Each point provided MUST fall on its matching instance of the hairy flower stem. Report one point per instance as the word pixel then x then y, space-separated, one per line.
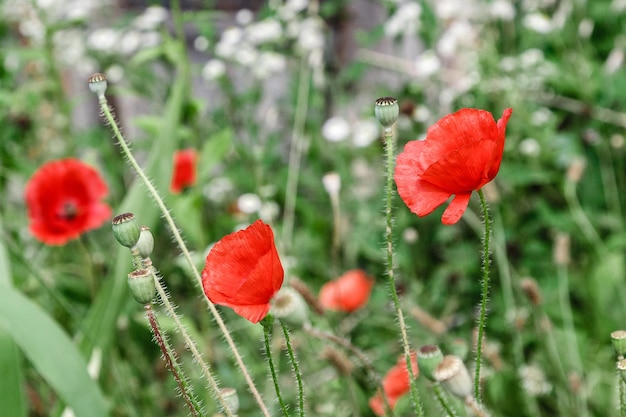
pixel 443 401
pixel 147 263
pixel 183 248
pixel 475 407
pixel 172 363
pixel 267 324
pixel 482 320
pixel 389 148
pixel 296 369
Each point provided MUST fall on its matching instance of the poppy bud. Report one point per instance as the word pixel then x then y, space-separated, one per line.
pixel 290 307
pixel 98 84
pixel 231 399
pixel 145 244
pixel 142 286
pixel 618 338
pixel 387 111
pixel 428 358
pixel 454 376
pixel 125 229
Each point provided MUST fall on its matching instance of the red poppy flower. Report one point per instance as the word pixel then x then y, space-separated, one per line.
pixel 243 271
pixel 395 385
pixel 184 171
pixel 461 153
pixel 347 293
pixel 63 198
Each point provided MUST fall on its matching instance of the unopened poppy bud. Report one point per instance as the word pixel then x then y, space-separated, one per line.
pixel 531 290
pixel 98 84
pixel 332 183
pixel 459 347
pixel 126 230
pixel 387 111
pixel 231 399
pixel 561 249
pixel 428 358
pixel 290 307
pixel 618 338
pixel 454 376
pixel 576 169
pixel 145 244
pixel 142 286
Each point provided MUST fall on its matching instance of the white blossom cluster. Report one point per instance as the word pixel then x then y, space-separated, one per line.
pixel 264 46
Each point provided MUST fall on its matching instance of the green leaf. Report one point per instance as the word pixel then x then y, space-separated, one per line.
pixel 12 396
pixel 52 353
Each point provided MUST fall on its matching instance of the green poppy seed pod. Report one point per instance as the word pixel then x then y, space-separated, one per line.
pixel 98 84
pixel 618 338
pixel 125 229
pixel 289 306
pixel 428 358
pixel 142 286
pixel 621 368
pixel 231 399
pixel 458 347
pixel 387 111
pixel 145 244
pixel 454 376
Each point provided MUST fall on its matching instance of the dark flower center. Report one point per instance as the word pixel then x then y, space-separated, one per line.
pixel 69 211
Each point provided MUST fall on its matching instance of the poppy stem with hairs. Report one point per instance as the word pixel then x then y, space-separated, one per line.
pixel 296 369
pixel 443 400
pixel 268 324
pixel 482 320
pixel 172 363
pixel 387 111
pixel 98 85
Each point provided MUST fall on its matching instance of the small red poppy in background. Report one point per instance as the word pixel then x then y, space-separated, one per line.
pixel 63 198
pixel 461 153
pixel 395 384
pixel 243 271
pixel 184 170
pixel 347 293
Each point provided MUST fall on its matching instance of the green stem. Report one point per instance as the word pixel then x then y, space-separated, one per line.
pixel 622 395
pixel 482 321
pixel 172 363
pixel 389 148
pixel 296 369
pixel 443 401
pixel 298 143
pixel 570 331
pixel 171 311
pixel 183 248
pixel 590 233
pixel 267 323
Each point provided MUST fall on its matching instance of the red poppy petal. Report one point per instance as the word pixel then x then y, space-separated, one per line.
pixel 243 271
pixel 455 210
pixel 465 169
pixel 458 129
pixel 420 196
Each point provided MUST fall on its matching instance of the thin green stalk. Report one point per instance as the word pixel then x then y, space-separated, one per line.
pixel 580 217
pixel 570 330
pixel 172 363
pixel 188 341
pixel 389 148
pixel 443 401
pixel 183 248
pixel 296 369
pixel 267 323
pixel 482 321
pixel 298 143
pixel 622 395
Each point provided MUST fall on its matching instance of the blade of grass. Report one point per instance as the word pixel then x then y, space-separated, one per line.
pixel 12 396
pixel 52 353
